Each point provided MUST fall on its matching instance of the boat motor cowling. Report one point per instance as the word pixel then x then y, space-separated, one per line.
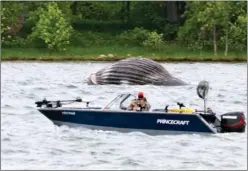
pixel 233 122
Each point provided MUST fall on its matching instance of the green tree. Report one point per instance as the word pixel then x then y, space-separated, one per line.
pixel 35 8
pixel 11 23
pixel 98 10
pixel 189 33
pixel 222 20
pixel 238 27
pixel 52 27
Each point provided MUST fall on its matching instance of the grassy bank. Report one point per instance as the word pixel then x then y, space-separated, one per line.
pixel 169 53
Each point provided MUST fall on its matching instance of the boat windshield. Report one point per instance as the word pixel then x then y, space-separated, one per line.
pixel 120 102
pixel 127 101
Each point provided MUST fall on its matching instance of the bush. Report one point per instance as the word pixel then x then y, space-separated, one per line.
pixel 52 28
pixel 154 41
pixel 89 38
pixel 134 37
pixel 16 41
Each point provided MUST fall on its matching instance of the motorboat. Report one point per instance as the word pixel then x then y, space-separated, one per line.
pixel 116 116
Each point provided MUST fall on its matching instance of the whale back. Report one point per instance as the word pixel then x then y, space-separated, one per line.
pixel 133 71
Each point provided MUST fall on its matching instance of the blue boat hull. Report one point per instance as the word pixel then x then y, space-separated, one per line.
pixel 130 120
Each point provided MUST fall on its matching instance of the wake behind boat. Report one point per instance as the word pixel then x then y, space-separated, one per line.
pixel 116 116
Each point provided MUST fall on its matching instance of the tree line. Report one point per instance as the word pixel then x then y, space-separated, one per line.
pixel 197 25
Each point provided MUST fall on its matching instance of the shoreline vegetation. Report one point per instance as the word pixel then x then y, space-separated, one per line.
pixel 115 53
pixel 164 31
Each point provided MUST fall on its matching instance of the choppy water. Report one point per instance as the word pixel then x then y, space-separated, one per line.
pixel 31 141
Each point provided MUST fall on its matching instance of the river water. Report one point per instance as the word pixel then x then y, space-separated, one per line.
pixel 31 141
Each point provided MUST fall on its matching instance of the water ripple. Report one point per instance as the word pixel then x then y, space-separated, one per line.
pixel 31 141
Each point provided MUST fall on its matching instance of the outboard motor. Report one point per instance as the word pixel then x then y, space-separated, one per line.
pixel 233 122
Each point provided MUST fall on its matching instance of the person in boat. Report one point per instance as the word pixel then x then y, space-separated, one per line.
pixel 140 103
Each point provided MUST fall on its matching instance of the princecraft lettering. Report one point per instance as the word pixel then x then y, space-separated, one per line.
pixel 172 122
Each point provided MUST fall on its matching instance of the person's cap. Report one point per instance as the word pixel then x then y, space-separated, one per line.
pixel 140 95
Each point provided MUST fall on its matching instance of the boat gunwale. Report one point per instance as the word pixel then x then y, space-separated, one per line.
pixel 114 111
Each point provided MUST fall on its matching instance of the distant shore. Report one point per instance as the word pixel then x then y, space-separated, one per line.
pixel 95 59
pixel 115 53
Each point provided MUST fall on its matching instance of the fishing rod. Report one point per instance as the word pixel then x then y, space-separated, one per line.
pixel 176 101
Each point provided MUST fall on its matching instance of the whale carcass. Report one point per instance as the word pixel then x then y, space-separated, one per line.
pixel 134 71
